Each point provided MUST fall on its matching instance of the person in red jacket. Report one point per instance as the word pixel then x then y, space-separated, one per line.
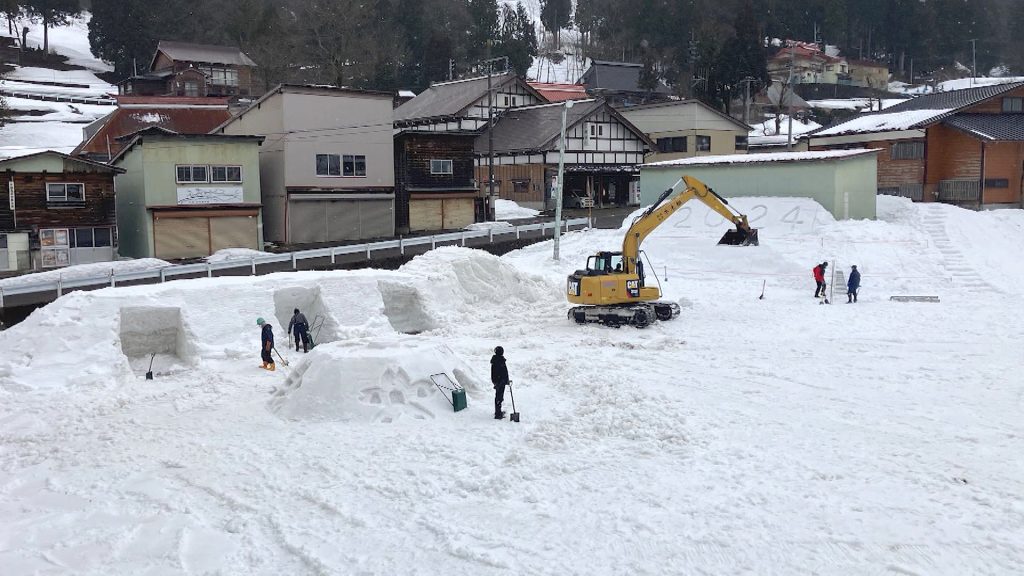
pixel 819 277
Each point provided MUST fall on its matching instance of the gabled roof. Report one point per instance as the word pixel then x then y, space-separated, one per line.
pixel 991 127
pixel 534 128
pixel 7 162
pixel 178 115
pixel 303 89
pixel 919 112
pixel 161 133
pixel 691 102
pixel 205 53
pixel 447 99
pixel 555 92
pixel 617 77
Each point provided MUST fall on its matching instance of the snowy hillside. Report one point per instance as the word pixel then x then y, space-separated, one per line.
pixel 568 65
pixel 748 436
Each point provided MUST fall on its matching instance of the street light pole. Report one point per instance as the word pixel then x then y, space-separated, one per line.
pixel 974 60
pixel 561 176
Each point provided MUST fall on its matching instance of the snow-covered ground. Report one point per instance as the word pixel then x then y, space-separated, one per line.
pixel 509 210
pixel 72 41
pixel 22 138
pixel 227 254
pixel 769 436
pixel 80 271
pixel 765 134
pixel 959 84
pixel 859 104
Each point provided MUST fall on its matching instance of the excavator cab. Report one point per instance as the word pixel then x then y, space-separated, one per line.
pixel 740 237
pixel 605 263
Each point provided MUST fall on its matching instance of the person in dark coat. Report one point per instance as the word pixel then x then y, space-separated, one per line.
pixel 499 377
pixel 300 328
pixel 852 285
pixel 819 277
pixel 266 344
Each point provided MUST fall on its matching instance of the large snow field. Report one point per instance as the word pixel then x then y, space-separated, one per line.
pixel 72 41
pixel 747 436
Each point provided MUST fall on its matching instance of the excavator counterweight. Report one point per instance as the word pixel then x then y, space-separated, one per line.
pixel 612 289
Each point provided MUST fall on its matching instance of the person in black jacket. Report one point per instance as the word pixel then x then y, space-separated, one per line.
pixel 852 286
pixel 300 328
pixel 266 344
pixel 499 377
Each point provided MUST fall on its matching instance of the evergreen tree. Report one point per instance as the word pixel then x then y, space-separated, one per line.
pixel 52 13
pixel 743 57
pixel 518 38
pixel 555 15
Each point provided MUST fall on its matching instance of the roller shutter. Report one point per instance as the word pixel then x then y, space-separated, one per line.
pixel 181 237
pixel 343 219
pixel 330 220
pixel 376 218
pixel 425 215
pixel 307 222
pixel 234 232
pixel 458 213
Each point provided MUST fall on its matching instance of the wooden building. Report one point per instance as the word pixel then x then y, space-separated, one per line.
pixel 65 204
pixel 603 154
pixel 194 70
pixel 963 147
pixel 435 188
pixel 463 104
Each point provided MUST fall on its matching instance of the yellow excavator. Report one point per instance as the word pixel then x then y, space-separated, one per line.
pixel 612 290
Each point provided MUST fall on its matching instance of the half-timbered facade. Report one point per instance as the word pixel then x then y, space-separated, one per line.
pixel 963 147
pixel 603 153
pixel 65 204
pixel 462 105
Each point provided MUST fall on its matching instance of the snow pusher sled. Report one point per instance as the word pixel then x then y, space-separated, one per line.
pixel 612 290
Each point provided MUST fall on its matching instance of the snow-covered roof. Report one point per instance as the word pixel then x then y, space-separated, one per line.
pixel 817 156
pixel 884 122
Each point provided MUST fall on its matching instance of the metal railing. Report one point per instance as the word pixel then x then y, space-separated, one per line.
pixel 959 190
pixel 208 269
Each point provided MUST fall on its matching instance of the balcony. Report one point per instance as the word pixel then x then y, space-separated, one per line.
pixel 959 191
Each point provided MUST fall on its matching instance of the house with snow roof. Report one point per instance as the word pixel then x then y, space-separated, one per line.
pixel 963 147
pixel 194 70
pixel 103 139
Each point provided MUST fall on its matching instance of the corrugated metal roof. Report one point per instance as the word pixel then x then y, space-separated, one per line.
pixel 814 156
pixel 534 127
pixel 617 77
pixel 954 99
pixel 992 127
pixel 560 92
pixel 449 98
pixel 125 121
pixel 205 53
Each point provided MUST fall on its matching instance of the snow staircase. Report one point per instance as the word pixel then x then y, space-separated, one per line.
pixel 962 274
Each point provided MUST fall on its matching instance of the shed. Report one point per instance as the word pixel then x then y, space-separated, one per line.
pixel 844 182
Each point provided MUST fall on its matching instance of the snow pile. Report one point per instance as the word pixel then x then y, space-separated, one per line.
pixel 485 226
pixel 379 381
pixel 859 104
pixel 227 254
pixel 149 117
pixel 509 210
pixel 86 271
pixel 764 134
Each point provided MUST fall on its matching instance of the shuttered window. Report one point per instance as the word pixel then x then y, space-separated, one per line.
pixel 907 151
pixel 1012 104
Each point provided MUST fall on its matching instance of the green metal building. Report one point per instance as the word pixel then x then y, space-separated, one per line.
pixel 844 182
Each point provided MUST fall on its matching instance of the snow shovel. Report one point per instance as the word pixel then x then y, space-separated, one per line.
pixel 149 374
pixel 763 283
pixel 283 361
pixel 514 416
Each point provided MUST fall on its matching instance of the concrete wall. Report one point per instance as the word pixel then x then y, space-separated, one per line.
pixel 846 188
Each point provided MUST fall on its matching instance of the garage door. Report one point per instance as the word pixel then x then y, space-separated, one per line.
pixel 458 213
pixel 181 237
pixel 328 220
pixel 425 215
pixel 234 232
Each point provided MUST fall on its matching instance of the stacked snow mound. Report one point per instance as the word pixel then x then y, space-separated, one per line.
pixel 777 217
pixel 446 286
pixel 371 381
pixel 509 210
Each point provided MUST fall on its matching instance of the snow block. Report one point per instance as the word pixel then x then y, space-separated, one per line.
pixel 310 302
pixel 405 308
pixel 148 330
pixel 378 381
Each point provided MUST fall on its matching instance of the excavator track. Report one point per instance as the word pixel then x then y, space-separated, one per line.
pixel 639 315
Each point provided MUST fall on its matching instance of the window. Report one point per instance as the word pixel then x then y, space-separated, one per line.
pixel 191 88
pixel 328 165
pixel 521 186
pixel 60 192
pixel 997 183
pixel 1015 104
pixel 440 166
pixel 703 143
pixel 354 166
pixel 674 144
pixel 54 247
pixel 3 241
pixel 222 76
pixel 103 237
pixel 907 151
pixel 192 174
pixel 829 68
pixel 225 173
pixel 82 238
pixel 741 142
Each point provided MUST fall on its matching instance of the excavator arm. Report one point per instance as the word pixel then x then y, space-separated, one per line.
pixel 685 189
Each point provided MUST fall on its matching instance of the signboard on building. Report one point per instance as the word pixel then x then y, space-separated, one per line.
pixel 196 195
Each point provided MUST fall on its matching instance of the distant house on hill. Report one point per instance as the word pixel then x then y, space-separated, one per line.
pixel 962 147
pixel 180 115
pixel 193 70
pixel 619 84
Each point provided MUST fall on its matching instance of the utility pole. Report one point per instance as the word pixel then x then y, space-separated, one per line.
pixel 974 60
pixel 746 98
pixel 789 109
pixel 561 176
pixel 490 138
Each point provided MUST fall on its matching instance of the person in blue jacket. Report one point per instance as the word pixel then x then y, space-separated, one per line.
pixel 266 344
pixel 852 285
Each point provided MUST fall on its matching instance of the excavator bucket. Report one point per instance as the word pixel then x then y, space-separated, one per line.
pixel 740 237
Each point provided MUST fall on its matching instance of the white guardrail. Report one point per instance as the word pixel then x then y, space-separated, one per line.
pixel 171 272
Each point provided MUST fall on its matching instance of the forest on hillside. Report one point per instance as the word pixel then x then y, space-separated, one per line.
pixel 699 47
